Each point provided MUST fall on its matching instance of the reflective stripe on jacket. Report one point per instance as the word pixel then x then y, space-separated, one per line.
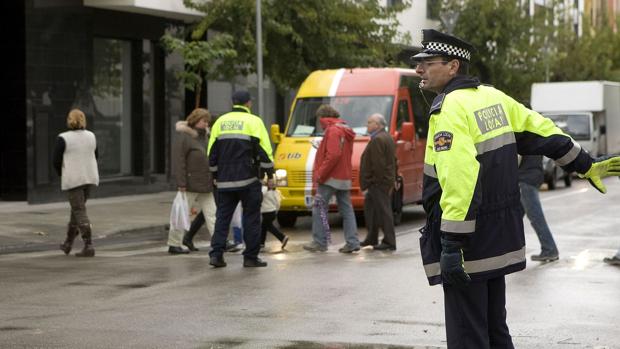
pixel 471 184
pixel 239 149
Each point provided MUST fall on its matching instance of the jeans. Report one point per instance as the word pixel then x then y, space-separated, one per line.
pixel 530 201
pixel 343 199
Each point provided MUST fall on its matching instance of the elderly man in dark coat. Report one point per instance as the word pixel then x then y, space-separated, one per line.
pixel 377 178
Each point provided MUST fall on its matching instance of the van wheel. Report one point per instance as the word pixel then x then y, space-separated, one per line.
pixel 287 219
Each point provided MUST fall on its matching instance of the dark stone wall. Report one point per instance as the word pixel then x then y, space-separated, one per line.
pixel 57 75
pixel 12 91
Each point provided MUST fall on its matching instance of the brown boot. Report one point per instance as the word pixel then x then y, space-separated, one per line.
pixel 72 232
pixel 88 250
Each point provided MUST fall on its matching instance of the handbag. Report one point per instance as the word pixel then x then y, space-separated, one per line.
pixel 179 215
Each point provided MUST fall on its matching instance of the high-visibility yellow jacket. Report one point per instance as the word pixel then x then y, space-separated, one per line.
pixel 471 191
pixel 239 149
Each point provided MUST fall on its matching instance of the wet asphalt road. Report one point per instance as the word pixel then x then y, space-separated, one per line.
pixel 134 295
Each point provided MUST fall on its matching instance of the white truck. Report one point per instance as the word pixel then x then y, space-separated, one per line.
pixel 589 111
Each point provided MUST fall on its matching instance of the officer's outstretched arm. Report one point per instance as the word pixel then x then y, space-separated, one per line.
pixel 602 167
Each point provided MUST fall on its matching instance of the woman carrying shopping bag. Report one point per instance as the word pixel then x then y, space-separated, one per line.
pixel 191 169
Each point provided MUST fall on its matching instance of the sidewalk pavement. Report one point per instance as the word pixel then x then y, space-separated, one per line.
pixel 26 227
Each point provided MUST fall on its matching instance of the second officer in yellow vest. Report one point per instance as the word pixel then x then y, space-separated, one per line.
pixel 474 231
pixel 239 154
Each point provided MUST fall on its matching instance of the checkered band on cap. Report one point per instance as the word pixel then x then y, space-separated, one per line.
pixel 448 49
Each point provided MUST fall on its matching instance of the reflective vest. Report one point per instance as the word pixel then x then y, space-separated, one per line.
pixel 470 177
pixel 239 149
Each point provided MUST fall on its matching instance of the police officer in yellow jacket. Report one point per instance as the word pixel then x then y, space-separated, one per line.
pixel 474 230
pixel 239 154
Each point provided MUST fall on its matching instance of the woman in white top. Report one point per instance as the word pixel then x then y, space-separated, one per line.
pixel 75 161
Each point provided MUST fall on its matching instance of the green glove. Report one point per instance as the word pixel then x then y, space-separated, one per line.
pixel 602 167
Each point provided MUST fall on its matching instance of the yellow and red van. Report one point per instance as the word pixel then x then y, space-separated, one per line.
pixel 356 94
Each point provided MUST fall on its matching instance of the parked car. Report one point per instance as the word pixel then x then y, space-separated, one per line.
pixel 554 173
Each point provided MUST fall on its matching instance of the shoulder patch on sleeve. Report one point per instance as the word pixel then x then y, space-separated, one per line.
pixel 437 103
pixel 442 140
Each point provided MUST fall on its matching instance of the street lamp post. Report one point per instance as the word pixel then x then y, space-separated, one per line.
pixel 259 57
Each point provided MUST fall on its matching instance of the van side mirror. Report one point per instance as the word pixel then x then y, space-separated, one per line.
pixel 275 134
pixel 406 132
pixel 602 130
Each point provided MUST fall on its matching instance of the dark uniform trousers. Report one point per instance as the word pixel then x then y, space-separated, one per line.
pixel 378 214
pixel 227 200
pixel 469 310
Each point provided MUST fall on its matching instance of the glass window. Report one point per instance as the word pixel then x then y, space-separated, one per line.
pixel 403 114
pixel 421 101
pixel 111 119
pixel 355 110
pixel 574 125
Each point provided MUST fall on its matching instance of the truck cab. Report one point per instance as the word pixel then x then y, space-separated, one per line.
pixel 588 111
pixel 356 94
pixel 580 126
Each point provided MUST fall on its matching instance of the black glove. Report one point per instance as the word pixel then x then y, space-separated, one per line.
pixel 451 262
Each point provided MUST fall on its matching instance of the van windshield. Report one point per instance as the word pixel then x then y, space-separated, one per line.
pixel 355 110
pixel 575 125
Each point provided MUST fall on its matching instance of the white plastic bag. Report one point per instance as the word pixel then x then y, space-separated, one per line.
pixel 179 215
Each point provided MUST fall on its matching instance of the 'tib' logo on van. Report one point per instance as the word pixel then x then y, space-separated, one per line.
pixel 289 156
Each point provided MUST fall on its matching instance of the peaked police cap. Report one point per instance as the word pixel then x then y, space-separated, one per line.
pixel 436 43
pixel 241 97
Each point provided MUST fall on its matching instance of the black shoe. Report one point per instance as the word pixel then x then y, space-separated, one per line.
pixel 254 263
pixel 284 241
pixel 190 245
pixel 217 261
pixel 366 243
pixel 545 257
pixel 177 250
pixel 384 247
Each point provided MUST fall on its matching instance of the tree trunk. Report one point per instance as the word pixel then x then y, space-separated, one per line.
pixel 197 96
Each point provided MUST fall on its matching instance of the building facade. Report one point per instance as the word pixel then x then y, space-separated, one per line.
pixel 104 57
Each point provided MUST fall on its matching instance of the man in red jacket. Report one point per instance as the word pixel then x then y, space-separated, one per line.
pixel 332 174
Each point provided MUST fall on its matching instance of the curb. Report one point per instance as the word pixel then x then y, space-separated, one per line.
pixel 108 238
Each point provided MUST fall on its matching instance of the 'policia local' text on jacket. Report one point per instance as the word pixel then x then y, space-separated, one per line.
pixel 239 150
pixel 471 190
